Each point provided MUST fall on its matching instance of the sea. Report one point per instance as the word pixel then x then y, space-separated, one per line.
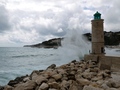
pixel 18 61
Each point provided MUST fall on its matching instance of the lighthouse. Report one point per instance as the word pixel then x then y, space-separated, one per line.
pixel 97 35
pixel 97 47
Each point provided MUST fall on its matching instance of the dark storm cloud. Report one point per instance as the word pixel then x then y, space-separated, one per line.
pixel 4 19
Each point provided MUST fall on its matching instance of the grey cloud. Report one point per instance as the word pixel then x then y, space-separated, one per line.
pixel 4 19
pixel 112 14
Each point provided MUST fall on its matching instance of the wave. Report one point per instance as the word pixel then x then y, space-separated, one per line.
pixel 42 55
pixel 24 56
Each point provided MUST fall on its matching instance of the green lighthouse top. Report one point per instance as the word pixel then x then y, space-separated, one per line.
pixel 97 16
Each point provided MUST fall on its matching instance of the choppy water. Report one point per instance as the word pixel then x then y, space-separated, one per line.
pixel 23 60
pixel 20 61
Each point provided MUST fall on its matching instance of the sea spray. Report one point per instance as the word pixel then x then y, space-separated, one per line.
pixel 74 46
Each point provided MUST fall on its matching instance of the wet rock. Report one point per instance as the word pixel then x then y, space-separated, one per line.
pixel 52 66
pixel 16 81
pixel 44 86
pixel 73 61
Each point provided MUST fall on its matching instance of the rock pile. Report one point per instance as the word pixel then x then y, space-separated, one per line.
pixel 76 75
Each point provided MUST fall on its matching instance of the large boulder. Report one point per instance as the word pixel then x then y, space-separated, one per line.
pixel 40 79
pixel 30 85
pixel 57 76
pixel 54 85
pixel 83 81
pixel 44 86
pixel 91 88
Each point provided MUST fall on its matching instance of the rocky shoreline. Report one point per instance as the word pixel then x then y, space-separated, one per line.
pixel 76 75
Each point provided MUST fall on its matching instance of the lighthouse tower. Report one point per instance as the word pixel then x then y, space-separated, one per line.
pixel 97 54
pixel 97 35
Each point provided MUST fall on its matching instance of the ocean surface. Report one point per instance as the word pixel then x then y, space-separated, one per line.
pixel 20 61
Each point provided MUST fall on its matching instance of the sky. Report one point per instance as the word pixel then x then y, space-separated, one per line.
pixel 25 22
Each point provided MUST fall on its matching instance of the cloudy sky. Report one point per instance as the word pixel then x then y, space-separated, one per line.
pixel 33 21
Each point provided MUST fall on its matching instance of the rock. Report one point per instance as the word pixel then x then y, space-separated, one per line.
pixel 57 76
pixel 7 87
pixel 64 77
pixel 52 89
pixel 75 86
pixel 63 67
pixel 40 79
pixel 17 80
pixel 51 80
pixel 26 79
pixel 71 77
pixel 34 74
pixel 83 81
pixel 37 88
pixel 91 88
pixel 73 61
pixel 87 75
pixel 72 64
pixel 44 86
pixel 52 66
pixel 104 86
pixel 112 89
pixel 61 71
pixel 94 70
pixel 1 87
pixel 65 84
pixel 108 72
pixel 113 83
pixel 95 79
pixel 50 72
pixel 94 84
pixel 100 82
pixel 54 85
pixel 29 85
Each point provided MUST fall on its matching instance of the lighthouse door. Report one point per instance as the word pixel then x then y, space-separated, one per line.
pixel 102 50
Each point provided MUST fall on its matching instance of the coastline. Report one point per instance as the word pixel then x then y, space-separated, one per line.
pixel 76 75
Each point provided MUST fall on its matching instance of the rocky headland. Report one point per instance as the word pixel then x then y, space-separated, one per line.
pixel 111 39
pixel 76 75
pixel 52 43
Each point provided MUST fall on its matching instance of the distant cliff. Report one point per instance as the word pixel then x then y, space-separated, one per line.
pixel 52 43
pixel 111 39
